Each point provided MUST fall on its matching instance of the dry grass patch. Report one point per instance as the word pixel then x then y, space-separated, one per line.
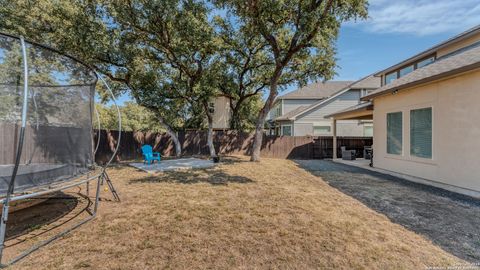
pixel 244 215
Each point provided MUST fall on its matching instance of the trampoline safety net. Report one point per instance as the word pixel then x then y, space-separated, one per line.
pixel 58 143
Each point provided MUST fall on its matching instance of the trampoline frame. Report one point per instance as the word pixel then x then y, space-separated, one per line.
pixel 99 177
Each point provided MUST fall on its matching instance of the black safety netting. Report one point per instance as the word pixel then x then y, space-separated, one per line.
pixel 58 143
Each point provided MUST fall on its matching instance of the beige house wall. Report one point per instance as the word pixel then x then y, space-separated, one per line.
pixel 222 114
pixel 458 45
pixel 455 106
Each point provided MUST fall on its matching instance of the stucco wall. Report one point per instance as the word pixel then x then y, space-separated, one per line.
pixel 455 106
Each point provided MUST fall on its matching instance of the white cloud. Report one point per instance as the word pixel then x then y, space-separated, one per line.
pixel 421 17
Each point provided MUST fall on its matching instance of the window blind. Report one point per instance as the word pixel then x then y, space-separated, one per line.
pixel 321 130
pixel 421 133
pixel 394 133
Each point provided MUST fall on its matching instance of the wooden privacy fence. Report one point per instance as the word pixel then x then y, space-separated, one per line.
pixel 226 143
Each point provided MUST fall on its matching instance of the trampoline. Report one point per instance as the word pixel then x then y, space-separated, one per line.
pixel 46 127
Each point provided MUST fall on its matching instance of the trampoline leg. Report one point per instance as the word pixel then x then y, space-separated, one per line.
pixel 51 239
pixel 112 188
pixel 97 195
pixel 3 228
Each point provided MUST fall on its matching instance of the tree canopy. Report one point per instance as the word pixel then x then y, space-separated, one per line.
pixel 134 118
pixel 174 56
pixel 300 37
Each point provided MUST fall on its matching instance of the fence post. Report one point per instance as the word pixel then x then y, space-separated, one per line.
pixel 334 138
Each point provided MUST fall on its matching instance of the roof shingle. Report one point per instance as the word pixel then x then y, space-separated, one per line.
pixel 454 64
pixel 369 82
pixel 318 90
pixel 291 114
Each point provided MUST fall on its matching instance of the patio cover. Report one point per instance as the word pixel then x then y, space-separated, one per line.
pixel 362 111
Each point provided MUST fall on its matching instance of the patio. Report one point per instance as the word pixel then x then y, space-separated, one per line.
pixel 174 165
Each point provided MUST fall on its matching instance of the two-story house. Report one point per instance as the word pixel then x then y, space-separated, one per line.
pixel 426 115
pixel 303 112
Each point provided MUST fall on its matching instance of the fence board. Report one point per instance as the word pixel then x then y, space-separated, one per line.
pixel 229 143
pixel 193 143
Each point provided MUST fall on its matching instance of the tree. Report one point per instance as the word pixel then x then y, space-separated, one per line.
pixel 134 118
pixel 243 76
pixel 301 39
pixel 160 51
pixel 178 39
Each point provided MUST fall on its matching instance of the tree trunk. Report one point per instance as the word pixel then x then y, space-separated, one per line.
pixel 176 142
pixel 211 146
pixel 173 135
pixel 234 120
pixel 257 140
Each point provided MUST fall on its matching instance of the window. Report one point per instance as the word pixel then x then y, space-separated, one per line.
pixel 404 71
pixel 391 77
pixel 366 92
pixel 394 133
pixel 368 131
pixel 287 130
pixel 278 110
pixel 421 133
pixel 425 62
pixel 211 107
pixel 321 130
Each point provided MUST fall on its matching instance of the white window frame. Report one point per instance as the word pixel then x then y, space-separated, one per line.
pixel 386 75
pixel 367 126
pixel 286 125
pixel 432 58
pixel 430 161
pixel 322 134
pixel 402 151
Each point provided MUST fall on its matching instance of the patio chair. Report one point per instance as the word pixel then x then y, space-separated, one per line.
pixel 348 154
pixel 367 152
pixel 149 156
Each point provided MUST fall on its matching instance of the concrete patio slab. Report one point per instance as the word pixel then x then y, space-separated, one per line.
pixel 174 165
pixel 365 164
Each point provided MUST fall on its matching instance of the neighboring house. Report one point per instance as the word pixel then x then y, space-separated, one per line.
pixel 220 106
pixel 426 115
pixel 302 112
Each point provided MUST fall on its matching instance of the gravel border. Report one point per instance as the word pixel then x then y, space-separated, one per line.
pixel 448 219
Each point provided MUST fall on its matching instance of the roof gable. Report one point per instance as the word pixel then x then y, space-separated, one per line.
pixel 319 90
pixel 368 82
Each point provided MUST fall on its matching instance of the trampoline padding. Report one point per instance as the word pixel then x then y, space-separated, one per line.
pixel 35 175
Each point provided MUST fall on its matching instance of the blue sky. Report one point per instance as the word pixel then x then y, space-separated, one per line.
pixel 397 30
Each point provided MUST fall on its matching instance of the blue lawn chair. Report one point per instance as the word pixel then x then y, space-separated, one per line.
pixel 149 156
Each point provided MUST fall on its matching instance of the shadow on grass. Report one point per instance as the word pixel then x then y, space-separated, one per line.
pixel 213 177
pixel 52 213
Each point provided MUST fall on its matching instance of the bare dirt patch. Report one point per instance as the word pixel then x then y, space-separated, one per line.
pixel 243 215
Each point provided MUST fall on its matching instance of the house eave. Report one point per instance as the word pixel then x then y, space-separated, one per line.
pixel 432 50
pixel 430 79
